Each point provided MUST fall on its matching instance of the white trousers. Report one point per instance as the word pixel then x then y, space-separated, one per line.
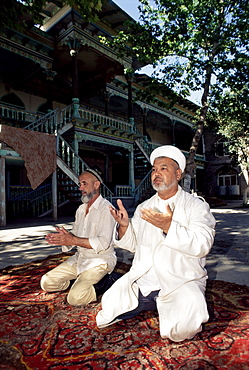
pixel 82 291
pixel 182 312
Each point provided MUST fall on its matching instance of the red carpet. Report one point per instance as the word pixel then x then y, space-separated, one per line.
pixel 41 331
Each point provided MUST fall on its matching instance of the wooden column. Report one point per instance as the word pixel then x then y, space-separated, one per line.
pixel 49 77
pixel 129 77
pixel 2 193
pixel 74 45
pixel 145 112
pixel 54 196
pixel 131 170
pixel 107 97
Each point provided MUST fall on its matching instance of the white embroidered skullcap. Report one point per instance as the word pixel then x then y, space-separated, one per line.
pixel 169 151
pixel 95 173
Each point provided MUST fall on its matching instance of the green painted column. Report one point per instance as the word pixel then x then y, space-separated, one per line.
pixel 131 170
pixel 2 192
pixel 54 196
pixel 75 145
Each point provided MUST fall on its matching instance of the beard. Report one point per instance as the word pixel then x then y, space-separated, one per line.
pixel 87 197
pixel 163 186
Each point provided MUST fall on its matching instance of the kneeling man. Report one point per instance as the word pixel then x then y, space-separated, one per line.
pixel 92 233
pixel 171 233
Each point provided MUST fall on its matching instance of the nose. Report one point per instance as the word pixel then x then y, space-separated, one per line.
pixel 156 172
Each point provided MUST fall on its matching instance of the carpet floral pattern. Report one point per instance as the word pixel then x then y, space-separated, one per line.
pixel 40 330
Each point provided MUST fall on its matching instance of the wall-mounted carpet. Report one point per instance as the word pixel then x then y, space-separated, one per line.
pixel 41 331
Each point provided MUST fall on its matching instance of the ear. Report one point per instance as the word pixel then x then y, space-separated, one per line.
pixel 96 184
pixel 178 174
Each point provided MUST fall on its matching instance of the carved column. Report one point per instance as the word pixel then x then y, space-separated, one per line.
pixel 107 96
pixel 131 170
pixel 2 193
pixel 75 145
pixel 74 46
pixel 54 196
pixel 129 77
pixel 144 113
pixel 49 77
pixel 173 131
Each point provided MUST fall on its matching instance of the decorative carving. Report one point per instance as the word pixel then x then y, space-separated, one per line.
pixel 86 40
pixel 99 139
pixel 43 60
pixel 74 45
pixel 50 75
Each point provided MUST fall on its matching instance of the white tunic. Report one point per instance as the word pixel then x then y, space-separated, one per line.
pixel 177 259
pixel 98 226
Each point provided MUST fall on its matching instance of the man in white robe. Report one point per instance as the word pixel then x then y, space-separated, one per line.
pixel 170 234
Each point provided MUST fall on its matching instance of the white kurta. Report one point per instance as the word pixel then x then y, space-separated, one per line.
pixel 98 226
pixel 179 263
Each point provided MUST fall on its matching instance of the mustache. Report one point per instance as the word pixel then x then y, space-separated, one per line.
pixel 157 178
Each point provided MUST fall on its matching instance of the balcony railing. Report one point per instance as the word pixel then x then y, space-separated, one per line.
pixel 18 115
pixel 53 121
pixel 106 122
pixel 75 163
pixel 32 203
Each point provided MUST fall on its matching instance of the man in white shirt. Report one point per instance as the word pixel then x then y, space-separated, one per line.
pixel 171 233
pixel 92 234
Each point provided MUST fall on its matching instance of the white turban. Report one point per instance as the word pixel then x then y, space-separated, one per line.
pixel 169 151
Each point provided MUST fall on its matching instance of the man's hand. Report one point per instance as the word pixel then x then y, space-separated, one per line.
pixel 121 216
pixel 161 220
pixel 62 237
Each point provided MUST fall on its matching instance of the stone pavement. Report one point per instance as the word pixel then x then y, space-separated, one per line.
pixel 23 242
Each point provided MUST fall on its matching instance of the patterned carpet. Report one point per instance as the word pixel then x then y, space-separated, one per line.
pixel 41 331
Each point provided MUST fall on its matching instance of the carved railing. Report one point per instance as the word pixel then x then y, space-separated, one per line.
pixel 144 185
pixel 123 191
pixel 32 203
pixel 53 121
pixel 105 122
pixel 17 114
pixel 76 164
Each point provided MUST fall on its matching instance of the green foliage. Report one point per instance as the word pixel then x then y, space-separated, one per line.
pixel 87 8
pixel 18 14
pixel 230 111
pixel 189 42
pixel 192 45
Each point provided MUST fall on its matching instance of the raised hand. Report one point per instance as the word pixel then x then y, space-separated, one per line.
pixel 121 216
pixel 158 219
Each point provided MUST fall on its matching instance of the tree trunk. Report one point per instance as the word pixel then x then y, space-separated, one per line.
pixel 190 166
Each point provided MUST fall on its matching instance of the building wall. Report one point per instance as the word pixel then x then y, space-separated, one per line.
pixel 31 102
pixel 218 165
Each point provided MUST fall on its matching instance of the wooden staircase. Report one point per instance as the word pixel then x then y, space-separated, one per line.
pixel 68 187
pixel 70 165
pixel 141 163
